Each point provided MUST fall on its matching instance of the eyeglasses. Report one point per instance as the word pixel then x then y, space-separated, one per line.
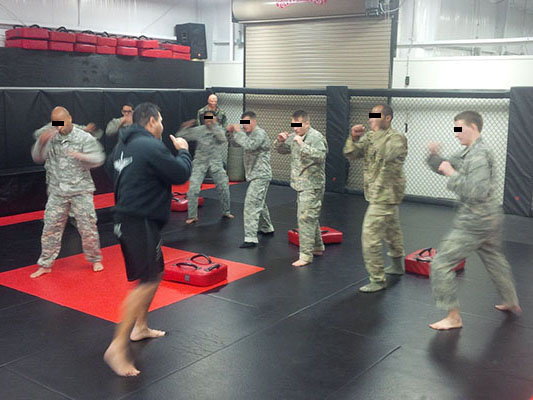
pixel 127 111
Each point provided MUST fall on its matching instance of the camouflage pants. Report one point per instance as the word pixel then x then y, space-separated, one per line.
pixel 381 223
pixel 199 170
pixel 485 239
pixel 256 215
pixel 309 206
pixel 55 217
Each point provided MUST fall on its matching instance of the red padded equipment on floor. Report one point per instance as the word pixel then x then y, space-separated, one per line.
pixel 198 270
pixel 180 202
pixel 419 262
pixel 155 53
pixel 127 51
pixel 85 48
pixel 87 38
pixel 147 44
pixel 27 44
pixel 329 235
pixel 181 56
pixel 106 41
pixel 126 42
pixel 27 33
pixel 62 36
pixel 61 46
pixel 106 50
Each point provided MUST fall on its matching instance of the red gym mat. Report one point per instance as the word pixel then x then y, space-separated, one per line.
pixel 73 283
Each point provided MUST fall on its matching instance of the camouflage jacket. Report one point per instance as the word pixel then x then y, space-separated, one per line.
pixel 221 116
pixel 64 174
pixel 383 154
pixel 256 147
pixel 210 145
pixel 473 181
pixel 113 126
pixel 308 163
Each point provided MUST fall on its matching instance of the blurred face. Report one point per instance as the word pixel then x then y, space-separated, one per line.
pixel 61 115
pixel 468 134
pixel 250 126
pixel 381 123
pixel 127 111
pixel 212 101
pixel 155 126
pixel 300 131
pixel 209 122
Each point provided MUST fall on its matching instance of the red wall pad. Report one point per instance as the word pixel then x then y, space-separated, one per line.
pixel 155 53
pixel 147 44
pixel 106 50
pixel 419 262
pixel 62 37
pixel 329 235
pixel 181 56
pixel 87 38
pixel 28 44
pixel 106 41
pixel 61 46
pixel 127 51
pixel 27 33
pixel 126 42
pixel 85 48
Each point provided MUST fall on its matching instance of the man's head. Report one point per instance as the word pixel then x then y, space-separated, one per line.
pixel 127 109
pixel 62 120
pixel 300 118
pixel 209 119
pixel 384 120
pixel 468 126
pixel 212 101
pixel 252 118
pixel 148 115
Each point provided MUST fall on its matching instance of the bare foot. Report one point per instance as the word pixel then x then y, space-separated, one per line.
pixel 41 271
pixel 119 363
pixel 447 324
pixel 146 333
pixel 228 215
pixel 318 252
pixel 300 263
pixel 189 221
pixel 97 267
pixel 514 309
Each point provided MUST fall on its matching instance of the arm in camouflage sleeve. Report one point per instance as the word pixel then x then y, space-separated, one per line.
pixel 251 142
pixel 93 152
pixel 314 150
pixel 353 150
pixel 39 151
pixel 475 184
pixel 283 147
pixel 220 134
pixel 112 127
pixel 434 161
pixel 396 148
pixel 191 134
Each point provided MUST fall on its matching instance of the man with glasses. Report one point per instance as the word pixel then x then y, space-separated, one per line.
pixel 117 123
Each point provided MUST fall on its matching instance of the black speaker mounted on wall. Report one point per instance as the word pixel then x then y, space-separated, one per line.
pixel 192 35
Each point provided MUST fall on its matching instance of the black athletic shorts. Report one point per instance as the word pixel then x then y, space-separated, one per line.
pixel 140 241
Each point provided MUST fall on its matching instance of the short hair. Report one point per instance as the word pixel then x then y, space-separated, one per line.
pixel 208 112
pixel 144 111
pixel 386 110
pixel 128 105
pixel 249 114
pixel 304 115
pixel 471 117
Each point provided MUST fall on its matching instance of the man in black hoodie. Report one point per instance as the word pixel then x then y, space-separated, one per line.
pixel 143 170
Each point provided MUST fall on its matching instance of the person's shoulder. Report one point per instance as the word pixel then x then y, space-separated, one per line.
pixel 396 133
pixel 80 133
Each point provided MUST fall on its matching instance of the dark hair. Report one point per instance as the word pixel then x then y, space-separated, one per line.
pixel 304 115
pixel 386 110
pixel 249 114
pixel 471 117
pixel 129 105
pixel 144 111
pixel 208 112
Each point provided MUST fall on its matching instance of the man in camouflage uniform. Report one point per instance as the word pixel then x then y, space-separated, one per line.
pixel 477 224
pixel 68 153
pixel 256 145
pixel 121 122
pixel 212 106
pixel 210 139
pixel 383 150
pixel 308 149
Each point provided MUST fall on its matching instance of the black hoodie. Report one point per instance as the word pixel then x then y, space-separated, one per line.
pixel 143 170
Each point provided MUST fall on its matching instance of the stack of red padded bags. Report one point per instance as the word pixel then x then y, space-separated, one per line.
pixel 37 38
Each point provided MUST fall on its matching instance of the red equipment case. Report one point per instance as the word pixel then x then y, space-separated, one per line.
pixel 147 44
pixel 126 42
pixel 181 56
pixel 106 41
pixel 28 44
pixel 419 262
pixel 176 48
pixel 61 46
pixel 127 51
pixel 62 35
pixel 87 38
pixel 329 235
pixel 33 32
pixel 106 50
pixel 192 271
pixel 180 202
pixel 155 53
pixel 84 48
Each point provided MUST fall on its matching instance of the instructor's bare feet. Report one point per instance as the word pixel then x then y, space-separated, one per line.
pixel 118 362
pixel 189 221
pixel 97 267
pixel 41 271
pixel 514 309
pixel 452 321
pixel 300 263
pixel 145 333
pixel 228 216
